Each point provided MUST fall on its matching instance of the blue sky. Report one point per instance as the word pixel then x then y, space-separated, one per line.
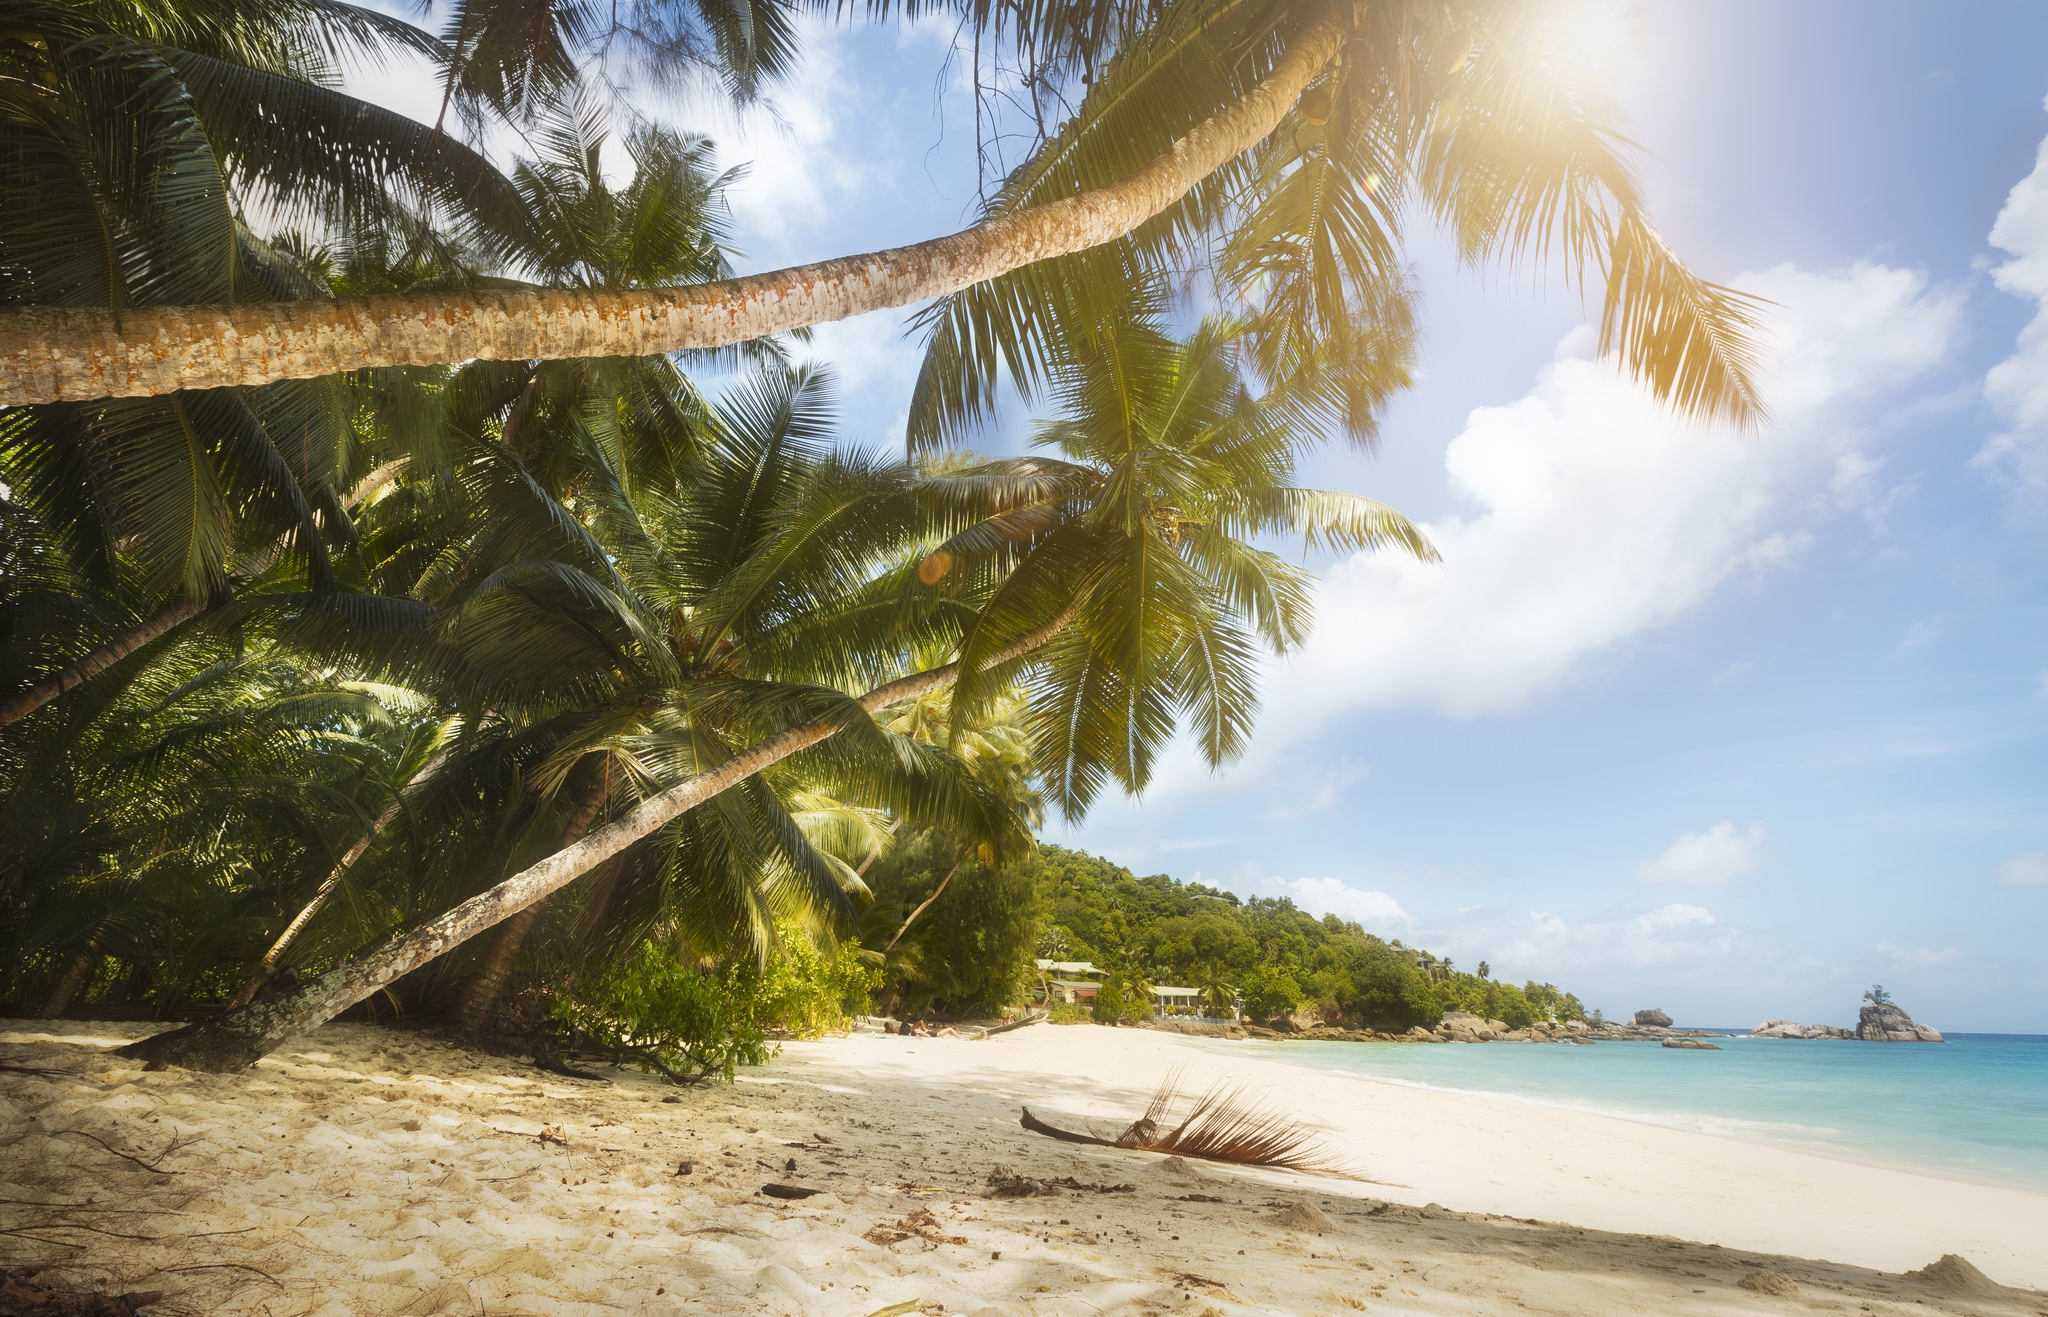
pixel 1730 725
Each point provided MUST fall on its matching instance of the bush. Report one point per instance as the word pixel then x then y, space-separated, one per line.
pixel 687 1023
pixel 807 993
pixel 1115 1006
pixel 1063 1012
pixel 666 1016
pixel 1270 993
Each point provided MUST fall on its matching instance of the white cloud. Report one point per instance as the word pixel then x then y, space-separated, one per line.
pixel 1706 859
pixel 1374 911
pixel 2024 871
pixel 1591 514
pixel 2018 386
pixel 1920 957
pixel 1674 940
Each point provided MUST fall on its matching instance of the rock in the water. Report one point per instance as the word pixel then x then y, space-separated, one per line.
pixel 1692 1044
pixel 1889 1024
pixel 1653 1019
pixel 1769 1282
pixel 1953 1272
pixel 1793 1029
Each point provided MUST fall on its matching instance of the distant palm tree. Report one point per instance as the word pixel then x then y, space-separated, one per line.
pixel 1219 997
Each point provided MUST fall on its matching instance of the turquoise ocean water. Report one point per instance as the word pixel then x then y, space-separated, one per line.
pixel 1975 1107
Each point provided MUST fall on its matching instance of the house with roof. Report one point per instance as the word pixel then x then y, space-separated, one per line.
pixel 1072 982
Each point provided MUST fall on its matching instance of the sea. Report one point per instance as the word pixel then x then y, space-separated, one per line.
pixel 1972 1108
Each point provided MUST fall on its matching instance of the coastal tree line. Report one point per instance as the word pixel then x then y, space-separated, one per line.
pixel 385 675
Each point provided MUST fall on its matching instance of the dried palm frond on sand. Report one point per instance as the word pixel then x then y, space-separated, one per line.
pixel 1225 1124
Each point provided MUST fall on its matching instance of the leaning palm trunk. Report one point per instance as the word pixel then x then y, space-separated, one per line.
pixel 266 968
pixel 936 894
pixel 239 1038
pixel 51 354
pixel 25 702
pixel 483 990
pixel 74 978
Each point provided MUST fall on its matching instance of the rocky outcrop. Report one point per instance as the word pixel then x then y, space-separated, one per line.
pixel 1879 1024
pixel 1692 1044
pixel 1464 1027
pixel 1653 1019
pixel 1889 1024
pixel 1793 1029
pixel 1200 1028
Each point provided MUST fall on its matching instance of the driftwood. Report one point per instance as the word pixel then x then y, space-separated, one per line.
pixel 1223 1125
pixel 18 1294
pixel 1013 1024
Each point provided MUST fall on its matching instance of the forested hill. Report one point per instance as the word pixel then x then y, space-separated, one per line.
pixel 1280 957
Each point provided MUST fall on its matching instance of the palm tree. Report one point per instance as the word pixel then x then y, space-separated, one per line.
pixel 1123 577
pixel 1219 995
pixel 137 139
pixel 1452 106
pixel 147 821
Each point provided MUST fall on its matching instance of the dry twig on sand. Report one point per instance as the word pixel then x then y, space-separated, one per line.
pixel 1225 1124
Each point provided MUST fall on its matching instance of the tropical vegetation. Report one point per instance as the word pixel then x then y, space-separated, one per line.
pixel 436 614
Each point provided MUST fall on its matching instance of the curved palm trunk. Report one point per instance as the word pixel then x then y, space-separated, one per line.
pixel 239 1038
pixel 266 968
pixel 74 978
pixel 937 892
pixel 483 990
pixel 25 702
pixel 50 354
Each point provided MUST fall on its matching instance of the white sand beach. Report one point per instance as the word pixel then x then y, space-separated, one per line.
pixel 364 1170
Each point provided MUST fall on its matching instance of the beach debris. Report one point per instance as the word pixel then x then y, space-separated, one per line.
pixel 1003 1184
pixel 19 1294
pixel 1008 1025
pixel 1225 1124
pixel 920 1225
pixel 1303 1216
pixel 552 1134
pixel 685 1168
pixel 788 1191
pixel 1769 1282
pixel 1952 1271
pixel 897 1309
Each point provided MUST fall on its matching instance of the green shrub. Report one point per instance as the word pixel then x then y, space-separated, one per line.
pixel 1067 1013
pixel 663 1014
pixel 666 1016
pixel 807 993
pixel 1113 1005
pixel 1270 993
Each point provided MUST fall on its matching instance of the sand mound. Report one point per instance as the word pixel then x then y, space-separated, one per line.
pixel 1303 1216
pixel 1182 1167
pixel 1769 1282
pixel 1951 1272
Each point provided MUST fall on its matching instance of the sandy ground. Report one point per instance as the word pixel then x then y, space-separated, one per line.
pixel 367 1171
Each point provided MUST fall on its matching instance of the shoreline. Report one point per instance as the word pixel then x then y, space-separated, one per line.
pixel 373 1170
pixel 1818 1141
